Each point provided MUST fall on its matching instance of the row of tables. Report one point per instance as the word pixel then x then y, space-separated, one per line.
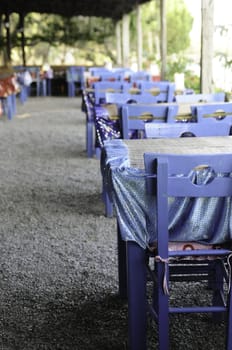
pixel 124 182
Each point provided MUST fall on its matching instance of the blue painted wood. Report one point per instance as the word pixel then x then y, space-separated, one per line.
pixel 153 130
pixel 134 117
pixel 166 183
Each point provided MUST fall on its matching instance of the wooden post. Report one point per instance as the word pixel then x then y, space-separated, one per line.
pixel 139 38
pixel 21 29
pixel 118 33
pixel 1 39
pixel 8 38
pixel 125 40
pixel 207 31
pixel 163 39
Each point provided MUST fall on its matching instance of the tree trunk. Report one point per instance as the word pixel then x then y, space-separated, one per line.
pixel 118 33
pixel 139 39
pixel 163 39
pixel 22 39
pixel 8 38
pixel 126 40
pixel 207 31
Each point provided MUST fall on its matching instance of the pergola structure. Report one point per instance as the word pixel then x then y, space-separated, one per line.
pixel 115 9
pixel 118 10
pixel 102 8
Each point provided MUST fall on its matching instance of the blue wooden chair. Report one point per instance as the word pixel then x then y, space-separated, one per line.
pixel 100 88
pixel 88 109
pixel 200 98
pixel 162 90
pixel 153 130
pixel 213 113
pixel 123 98
pixel 74 77
pixel 140 76
pixel 36 79
pixel 135 116
pixel 96 71
pixel 111 76
pixel 192 201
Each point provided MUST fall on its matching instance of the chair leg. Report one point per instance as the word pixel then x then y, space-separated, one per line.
pixel 137 303
pixel 229 322
pixel 108 204
pixel 217 286
pixel 71 89
pixel 163 310
pixel 89 139
pixel 98 152
pixel 122 271
pixel 9 107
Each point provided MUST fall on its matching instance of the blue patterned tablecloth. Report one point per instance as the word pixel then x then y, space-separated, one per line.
pixel 125 181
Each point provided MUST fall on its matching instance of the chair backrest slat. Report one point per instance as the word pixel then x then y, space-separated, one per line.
pixel 134 116
pixel 186 130
pixel 200 98
pixel 209 113
pixel 163 90
pixel 215 174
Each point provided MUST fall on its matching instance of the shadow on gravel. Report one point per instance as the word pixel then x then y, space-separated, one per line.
pixel 63 324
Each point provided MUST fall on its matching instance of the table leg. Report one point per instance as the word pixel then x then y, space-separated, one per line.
pixel 136 287
pixel 122 269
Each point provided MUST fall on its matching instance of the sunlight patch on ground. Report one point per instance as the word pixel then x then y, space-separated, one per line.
pixel 23 116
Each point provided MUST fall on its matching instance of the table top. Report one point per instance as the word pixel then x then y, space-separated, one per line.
pixel 181 145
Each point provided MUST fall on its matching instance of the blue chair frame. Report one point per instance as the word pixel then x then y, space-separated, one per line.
pixel 135 116
pixel 200 98
pixel 213 113
pixel 74 75
pixel 186 129
pixel 163 90
pixel 102 87
pixel 162 183
pixel 140 76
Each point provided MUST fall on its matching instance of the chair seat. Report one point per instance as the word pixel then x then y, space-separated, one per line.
pixel 192 250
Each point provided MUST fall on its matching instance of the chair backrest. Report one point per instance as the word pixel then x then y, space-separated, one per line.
pixel 120 98
pixel 188 176
pixel 95 71
pixel 154 130
pixel 163 90
pixel 76 74
pixel 115 86
pixel 140 76
pixel 135 116
pixel 176 172
pixel 213 113
pixel 101 87
pixel 198 98
pixel 111 76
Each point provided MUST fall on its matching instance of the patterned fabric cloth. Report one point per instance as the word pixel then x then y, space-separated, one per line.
pixel 106 127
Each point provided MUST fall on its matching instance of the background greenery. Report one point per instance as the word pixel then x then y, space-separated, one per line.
pixel 91 41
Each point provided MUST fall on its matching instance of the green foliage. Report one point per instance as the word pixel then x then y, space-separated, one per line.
pixel 91 39
pixel 179 64
pixel 55 29
pixel 179 25
pixel 192 81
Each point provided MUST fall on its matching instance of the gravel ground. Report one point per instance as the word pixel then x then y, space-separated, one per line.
pixel 58 271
